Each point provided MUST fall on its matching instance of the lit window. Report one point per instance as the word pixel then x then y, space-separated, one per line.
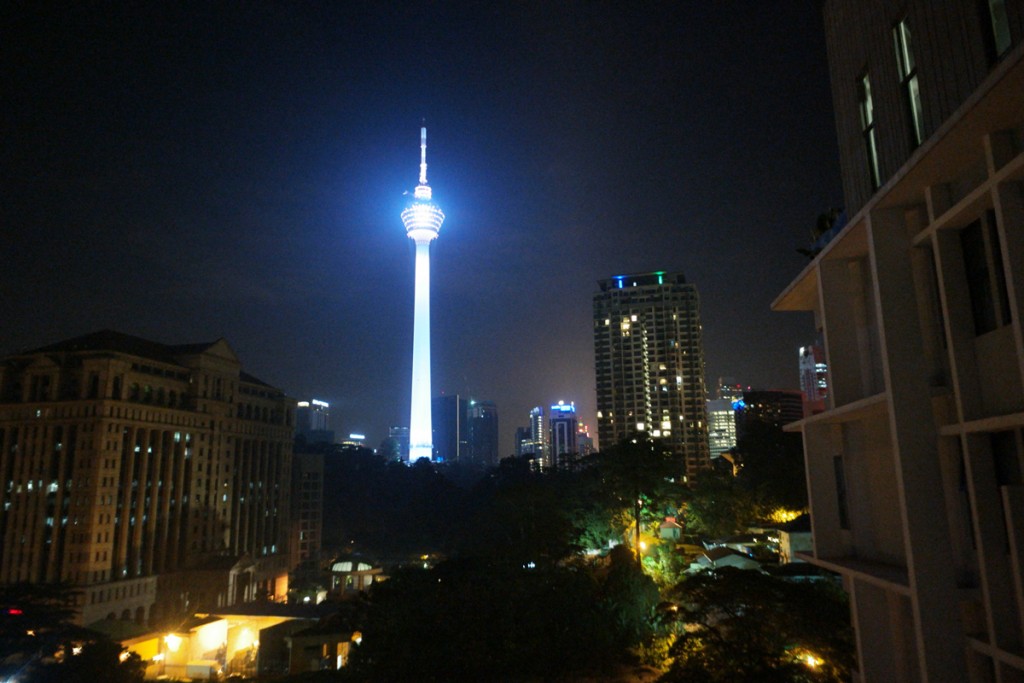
pixel 908 80
pixel 867 127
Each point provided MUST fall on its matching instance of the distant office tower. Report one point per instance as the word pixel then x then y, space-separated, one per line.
pixel 915 465
pixel 728 388
pixel 813 378
pixel 307 503
pixel 776 408
pixel 650 364
pixel 584 442
pixel 451 434
pixel 535 442
pixel 312 415
pixel 721 426
pixel 562 433
pixel 422 220
pixel 396 446
pixel 482 423
pixel 312 422
pixel 154 478
pixel 524 442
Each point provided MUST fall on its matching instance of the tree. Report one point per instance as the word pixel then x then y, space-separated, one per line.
pixel 716 506
pixel 40 642
pixel 640 474
pixel 745 625
pixel 629 597
pixel 482 620
pixel 519 516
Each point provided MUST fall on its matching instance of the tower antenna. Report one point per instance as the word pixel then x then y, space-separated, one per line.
pixel 423 155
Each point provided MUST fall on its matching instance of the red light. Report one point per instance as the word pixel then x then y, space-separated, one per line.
pixel 14 610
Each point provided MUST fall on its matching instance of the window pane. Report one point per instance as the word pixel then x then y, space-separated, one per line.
pixel 978 283
pixel 916 122
pixel 1000 25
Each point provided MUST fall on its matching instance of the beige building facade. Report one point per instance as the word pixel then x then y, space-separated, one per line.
pixel 915 466
pixel 128 464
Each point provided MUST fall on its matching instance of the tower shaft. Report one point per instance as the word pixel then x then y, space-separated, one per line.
pixel 420 419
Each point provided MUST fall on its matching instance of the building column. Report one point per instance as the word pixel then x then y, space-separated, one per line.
pixel 936 617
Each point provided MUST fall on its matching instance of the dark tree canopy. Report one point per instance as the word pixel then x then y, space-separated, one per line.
pixel 747 626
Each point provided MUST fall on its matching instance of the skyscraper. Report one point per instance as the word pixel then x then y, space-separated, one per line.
pixel 562 433
pixel 531 441
pixel 721 426
pixel 312 422
pixel 813 378
pixel 914 467
pixel 482 422
pixel 422 220
pixel 450 437
pixel 649 361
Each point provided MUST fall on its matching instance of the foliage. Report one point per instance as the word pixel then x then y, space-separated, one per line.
pixel 772 476
pixel 640 475
pixel 386 507
pixel 718 507
pixel 485 620
pixel 38 640
pixel 99 660
pixel 628 596
pixel 520 516
pixel 745 625
pixel 665 563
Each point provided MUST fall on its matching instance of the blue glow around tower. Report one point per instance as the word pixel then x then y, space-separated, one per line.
pixel 422 219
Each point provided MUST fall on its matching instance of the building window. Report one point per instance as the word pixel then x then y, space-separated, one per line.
pixel 908 80
pixel 998 33
pixel 867 127
pixel 986 279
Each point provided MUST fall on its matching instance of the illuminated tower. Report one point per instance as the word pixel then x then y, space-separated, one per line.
pixel 422 219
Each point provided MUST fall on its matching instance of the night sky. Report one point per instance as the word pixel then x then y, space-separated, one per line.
pixel 237 170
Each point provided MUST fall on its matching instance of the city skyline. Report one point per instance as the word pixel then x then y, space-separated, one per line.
pixel 198 173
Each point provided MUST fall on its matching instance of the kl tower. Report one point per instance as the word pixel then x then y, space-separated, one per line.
pixel 422 221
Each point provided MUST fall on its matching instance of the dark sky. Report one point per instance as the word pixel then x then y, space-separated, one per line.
pixel 237 169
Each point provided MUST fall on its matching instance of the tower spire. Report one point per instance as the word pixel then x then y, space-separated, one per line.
pixel 423 155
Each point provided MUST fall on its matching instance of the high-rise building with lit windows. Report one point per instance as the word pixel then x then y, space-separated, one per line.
pixel 649 361
pixel 312 422
pixel 531 441
pixel 422 219
pixel 915 465
pixel 562 433
pixel 721 426
pixel 154 478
